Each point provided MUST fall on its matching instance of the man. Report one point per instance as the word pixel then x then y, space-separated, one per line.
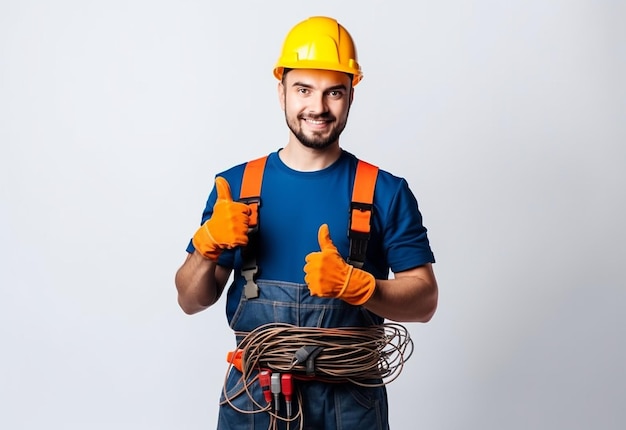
pixel 301 250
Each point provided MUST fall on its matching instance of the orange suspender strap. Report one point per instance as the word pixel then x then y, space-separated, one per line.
pixel 251 188
pixel 251 195
pixel 361 210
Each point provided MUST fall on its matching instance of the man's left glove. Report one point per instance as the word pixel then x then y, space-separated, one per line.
pixel 328 275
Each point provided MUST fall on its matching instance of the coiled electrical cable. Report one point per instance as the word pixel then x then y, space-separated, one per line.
pixel 366 356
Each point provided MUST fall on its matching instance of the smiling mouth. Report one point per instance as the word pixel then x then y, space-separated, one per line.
pixel 317 121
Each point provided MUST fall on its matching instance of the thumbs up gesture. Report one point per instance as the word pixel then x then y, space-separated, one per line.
pixel 228 226
pixel 328 275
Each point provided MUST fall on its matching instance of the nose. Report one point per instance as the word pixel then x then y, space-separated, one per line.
pixel 318 104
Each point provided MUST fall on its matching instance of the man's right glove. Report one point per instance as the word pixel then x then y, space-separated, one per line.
pixel 228 226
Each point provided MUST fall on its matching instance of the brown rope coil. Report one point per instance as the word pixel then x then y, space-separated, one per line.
pixel 367 356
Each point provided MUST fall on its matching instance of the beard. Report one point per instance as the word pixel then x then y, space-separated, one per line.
pixel 317 140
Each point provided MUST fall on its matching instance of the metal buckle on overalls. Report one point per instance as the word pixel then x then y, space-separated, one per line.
pixel 358 249
pixel 358 239
pixel 254 203
pixel 251 289
pixel 248 254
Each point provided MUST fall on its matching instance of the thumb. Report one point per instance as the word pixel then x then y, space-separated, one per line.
pixel 323 237
pixel 223 189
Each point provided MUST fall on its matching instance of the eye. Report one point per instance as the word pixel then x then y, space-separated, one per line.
pixel 335 94
pixel 303 91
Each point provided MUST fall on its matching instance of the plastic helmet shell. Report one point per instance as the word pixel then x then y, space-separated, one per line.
pixel 322 43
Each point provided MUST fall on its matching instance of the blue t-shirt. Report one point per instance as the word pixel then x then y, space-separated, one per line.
pixel 294 204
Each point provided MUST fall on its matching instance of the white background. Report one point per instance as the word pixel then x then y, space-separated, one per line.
pixel 508 119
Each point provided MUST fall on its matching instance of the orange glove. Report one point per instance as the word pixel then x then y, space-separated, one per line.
pixel 328 275
pixel 228 226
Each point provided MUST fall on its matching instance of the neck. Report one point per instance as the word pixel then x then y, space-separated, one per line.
pixel 298 157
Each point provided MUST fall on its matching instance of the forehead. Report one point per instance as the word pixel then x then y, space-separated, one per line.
pixel 317 78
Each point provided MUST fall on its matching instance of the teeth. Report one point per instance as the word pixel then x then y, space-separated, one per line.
pixel 315 121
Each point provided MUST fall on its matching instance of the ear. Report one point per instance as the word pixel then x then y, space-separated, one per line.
pixel 281 95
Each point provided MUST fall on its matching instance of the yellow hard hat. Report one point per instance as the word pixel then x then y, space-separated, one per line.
pixel 322 43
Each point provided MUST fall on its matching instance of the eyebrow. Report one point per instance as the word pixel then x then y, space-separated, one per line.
pixel 333 88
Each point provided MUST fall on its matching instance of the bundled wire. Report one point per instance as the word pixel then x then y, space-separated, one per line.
pixel 367 356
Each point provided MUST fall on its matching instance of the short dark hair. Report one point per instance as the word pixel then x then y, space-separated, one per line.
pixel 285 71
